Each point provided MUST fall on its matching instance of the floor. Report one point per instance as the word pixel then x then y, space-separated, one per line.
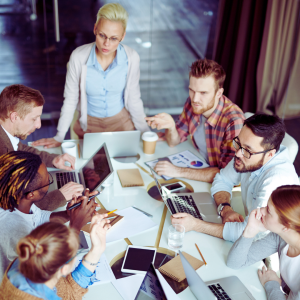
pixel 178 31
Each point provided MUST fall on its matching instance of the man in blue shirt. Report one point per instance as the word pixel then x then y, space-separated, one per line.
pixel 260 165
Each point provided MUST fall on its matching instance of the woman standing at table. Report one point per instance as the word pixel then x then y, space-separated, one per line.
pixel 46 258
pixel 282 218
pixel 102 82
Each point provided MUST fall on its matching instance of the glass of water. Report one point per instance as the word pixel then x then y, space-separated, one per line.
pixel 175 236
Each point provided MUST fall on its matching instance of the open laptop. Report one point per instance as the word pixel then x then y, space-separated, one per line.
pixel 119 143
pixel 152 288
pixel 200 205
pixel 91 175
pixel 224 288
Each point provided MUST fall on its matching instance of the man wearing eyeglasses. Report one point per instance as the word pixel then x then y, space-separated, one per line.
pixel 260 165
pixel 24 182
pixel 20 115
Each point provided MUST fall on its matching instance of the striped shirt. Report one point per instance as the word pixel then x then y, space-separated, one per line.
pixel 221 127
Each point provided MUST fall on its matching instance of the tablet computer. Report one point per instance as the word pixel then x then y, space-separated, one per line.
pixel 138 259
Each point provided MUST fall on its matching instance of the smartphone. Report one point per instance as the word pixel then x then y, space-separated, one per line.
pixel 175 186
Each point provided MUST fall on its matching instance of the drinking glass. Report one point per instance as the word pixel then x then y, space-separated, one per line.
pixel 175 236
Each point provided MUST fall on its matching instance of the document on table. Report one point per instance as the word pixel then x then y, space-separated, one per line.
pixel 184 159
pixel 134 222
pixel 128 287
pixel 103 272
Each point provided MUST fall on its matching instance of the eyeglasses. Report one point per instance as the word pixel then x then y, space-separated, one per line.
pixel 246 153
pixel 50 182
pixel 113 40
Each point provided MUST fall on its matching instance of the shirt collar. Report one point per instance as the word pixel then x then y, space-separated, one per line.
pixel 214 117
pixel 120 58
pixel 14 140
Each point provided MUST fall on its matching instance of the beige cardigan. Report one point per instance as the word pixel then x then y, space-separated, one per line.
pixel 75 91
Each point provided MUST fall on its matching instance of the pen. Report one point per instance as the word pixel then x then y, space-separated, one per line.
pixel 79 203
pixel 110 218
pixel 112 211
pixel 145 213
pixel 200 254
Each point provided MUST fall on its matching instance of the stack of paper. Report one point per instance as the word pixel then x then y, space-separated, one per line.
pixel 134 222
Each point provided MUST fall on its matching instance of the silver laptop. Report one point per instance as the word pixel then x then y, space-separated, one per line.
pixel 91 175
pixel 119 143
pixel 200 205
pixel 224 288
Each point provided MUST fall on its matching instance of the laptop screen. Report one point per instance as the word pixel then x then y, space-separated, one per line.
pixel 151 287
pixel 97 169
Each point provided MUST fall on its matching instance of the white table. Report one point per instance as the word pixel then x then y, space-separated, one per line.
pixel 213 249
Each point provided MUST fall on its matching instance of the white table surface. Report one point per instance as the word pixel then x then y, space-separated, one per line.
pixel 213 249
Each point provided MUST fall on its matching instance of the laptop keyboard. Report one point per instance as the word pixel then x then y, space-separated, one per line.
pixel 64 177
pixel 218 291
pixel 184 204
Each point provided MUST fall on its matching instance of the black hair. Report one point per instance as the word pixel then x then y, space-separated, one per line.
pixel 18 175
pixel 270 128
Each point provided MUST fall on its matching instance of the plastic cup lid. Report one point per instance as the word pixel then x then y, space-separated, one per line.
pixel 149 136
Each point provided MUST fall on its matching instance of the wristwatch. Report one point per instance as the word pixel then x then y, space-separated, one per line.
pixel 221 206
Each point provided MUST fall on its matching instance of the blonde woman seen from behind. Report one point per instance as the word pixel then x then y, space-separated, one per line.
pixel 102 82
pixel 282 218
pixel 46 258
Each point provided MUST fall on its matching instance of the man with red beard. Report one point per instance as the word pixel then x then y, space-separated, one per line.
pixel 209 117
pixel 260 165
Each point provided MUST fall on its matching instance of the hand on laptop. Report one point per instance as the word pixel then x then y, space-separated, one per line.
pixel 161 121
pixel 70 189
pixel 59 162
pixel 83 214
pixel 187 220
pixel 168 169
pixel 229 215
pixel 47 143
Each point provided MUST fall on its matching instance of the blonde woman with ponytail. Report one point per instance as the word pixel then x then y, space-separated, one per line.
pixel 46 259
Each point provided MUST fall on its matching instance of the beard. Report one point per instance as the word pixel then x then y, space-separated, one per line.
pixel 243 169
pixel 201 110
pixel 21 136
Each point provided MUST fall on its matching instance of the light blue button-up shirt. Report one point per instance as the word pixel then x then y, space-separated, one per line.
pixel 256 187
pixel 81 275
pixel 105 89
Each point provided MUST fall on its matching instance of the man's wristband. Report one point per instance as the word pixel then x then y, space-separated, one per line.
pixel 221 207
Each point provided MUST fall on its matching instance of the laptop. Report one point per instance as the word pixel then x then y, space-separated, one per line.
pixel 119 143
pixel 91 175
pixel 200 205
pixel 153 287
pixel 224 288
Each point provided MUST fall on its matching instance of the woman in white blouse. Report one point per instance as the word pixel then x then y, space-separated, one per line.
pixel 102 82
pixel 282 218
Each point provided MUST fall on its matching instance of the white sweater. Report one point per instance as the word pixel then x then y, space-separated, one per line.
pixel 75 91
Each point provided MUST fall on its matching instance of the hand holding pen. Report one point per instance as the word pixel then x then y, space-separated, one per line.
pixel 84 212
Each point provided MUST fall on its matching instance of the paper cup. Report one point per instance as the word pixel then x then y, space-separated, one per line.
pixel 70 148
pixel 149 142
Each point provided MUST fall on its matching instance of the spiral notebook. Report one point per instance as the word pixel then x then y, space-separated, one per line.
pixel 130 177
pixel 174 268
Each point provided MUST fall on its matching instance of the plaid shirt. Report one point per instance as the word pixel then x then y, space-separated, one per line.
pixel 221 127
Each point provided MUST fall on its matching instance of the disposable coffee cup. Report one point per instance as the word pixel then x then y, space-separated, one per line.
pixel 149 142
pixel 70 148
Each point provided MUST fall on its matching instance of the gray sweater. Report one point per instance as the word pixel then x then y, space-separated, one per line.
pixel 245 252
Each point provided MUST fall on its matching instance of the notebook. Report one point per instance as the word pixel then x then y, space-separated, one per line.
pixel 130 177
pixel 87 228
pixel 174 268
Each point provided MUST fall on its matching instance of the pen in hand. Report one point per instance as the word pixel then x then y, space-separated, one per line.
pixel 79 203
